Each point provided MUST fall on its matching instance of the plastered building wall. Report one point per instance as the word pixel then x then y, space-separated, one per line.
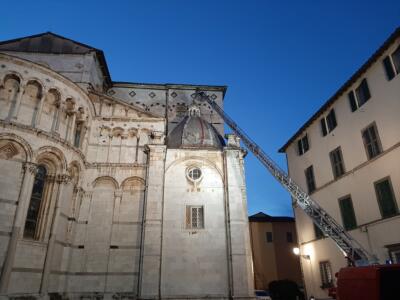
pixel 373 232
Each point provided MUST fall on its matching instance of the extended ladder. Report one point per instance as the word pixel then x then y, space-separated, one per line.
pixel 351 248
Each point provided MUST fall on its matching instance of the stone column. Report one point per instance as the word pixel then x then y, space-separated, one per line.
pixel 71 127
pixel 62 181
pixel 14 108
pixel 29 172
pixel 57 105
pixel 150 252
pixel 38 115
pixel 240 250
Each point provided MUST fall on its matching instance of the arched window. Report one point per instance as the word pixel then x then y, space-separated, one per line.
pixel 78 134
pixel 32 217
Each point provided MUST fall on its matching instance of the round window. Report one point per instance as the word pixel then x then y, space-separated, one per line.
pixel 194 174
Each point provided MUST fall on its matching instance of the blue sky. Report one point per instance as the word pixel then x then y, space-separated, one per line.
pixel 281 60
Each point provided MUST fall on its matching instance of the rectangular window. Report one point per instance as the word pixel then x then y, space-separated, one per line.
pixel 353 101
pixel 371 141
pixel 269 236
pixel 394 253
pixel 194 217
pixel 328 123
pixel 302 145
pixel 289 237
pixel 347 212
pixel 326 274
pixel 389 69
pixel 391 63
pixel 318 232
pixel 362 92
pixel 337 162
pixel 386 199
pixel 310 179
pixel 358 97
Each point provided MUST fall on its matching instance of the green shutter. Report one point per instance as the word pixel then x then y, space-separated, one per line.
pixel 386 199
pixel 347 211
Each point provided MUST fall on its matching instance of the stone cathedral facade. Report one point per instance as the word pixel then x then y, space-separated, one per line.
pixel 114 189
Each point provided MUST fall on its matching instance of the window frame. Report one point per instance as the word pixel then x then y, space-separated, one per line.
pixel 339 164
pixel 340 200
pixel 318 233
pixel 378 140
pixel 189 218
pixel 37 234
pixel 387 178
pixel 314 184
pixel 289 237
pixel 328 122
pixel 269 238
pixel 388 62
pixel 354 95
pixel 303 145
pixel 326 282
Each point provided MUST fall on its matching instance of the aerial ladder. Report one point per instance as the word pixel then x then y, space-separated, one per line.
pixel 353 250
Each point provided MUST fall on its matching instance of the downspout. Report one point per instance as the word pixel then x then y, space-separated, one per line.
pixel 228 228
pixel 297 235
pixel 142 234
pixel 162 223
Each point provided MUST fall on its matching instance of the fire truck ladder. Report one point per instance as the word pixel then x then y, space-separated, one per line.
pixel 353 250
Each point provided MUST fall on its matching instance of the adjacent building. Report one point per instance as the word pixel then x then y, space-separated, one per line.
pixel 347 156
pixel 272 243
pixel 114 190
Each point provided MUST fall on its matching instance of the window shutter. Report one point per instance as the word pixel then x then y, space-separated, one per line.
pixel 352 101
pixel 386 199
pixel 347 211
pixel 299 147
pixel 388 68
pixel 396 59
pixel 306 146
pixel 323 127
pixel 331 120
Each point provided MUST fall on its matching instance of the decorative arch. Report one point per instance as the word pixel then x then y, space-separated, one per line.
pixel 204 160
pixel 11 74
pixel 107 180
pixel 23 143
pixel 117 131
pixel 133 183
pixel 49 72
pixel 55 91
pixel 74 171
pixel 35 80
pixel 52 158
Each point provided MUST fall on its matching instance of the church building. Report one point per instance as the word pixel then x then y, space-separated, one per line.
pixel 115 190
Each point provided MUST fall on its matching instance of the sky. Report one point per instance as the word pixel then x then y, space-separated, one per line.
pixel 281 60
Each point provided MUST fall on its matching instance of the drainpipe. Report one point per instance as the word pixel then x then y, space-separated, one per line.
pixel 228 227
pixel 162 223
pixel 142 234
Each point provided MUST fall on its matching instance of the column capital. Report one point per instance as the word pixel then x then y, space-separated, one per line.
pixel 118 193
pixel 63 178
pixel 31 167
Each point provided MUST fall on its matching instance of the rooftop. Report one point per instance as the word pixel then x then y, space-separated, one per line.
pixel 262 217
pixel 390 40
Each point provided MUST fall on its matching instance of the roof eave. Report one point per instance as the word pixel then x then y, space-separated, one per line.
pixel 391 39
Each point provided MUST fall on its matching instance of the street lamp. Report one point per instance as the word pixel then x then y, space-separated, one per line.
pixel 296 251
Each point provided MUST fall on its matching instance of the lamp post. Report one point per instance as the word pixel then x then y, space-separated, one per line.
pixel 296 251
